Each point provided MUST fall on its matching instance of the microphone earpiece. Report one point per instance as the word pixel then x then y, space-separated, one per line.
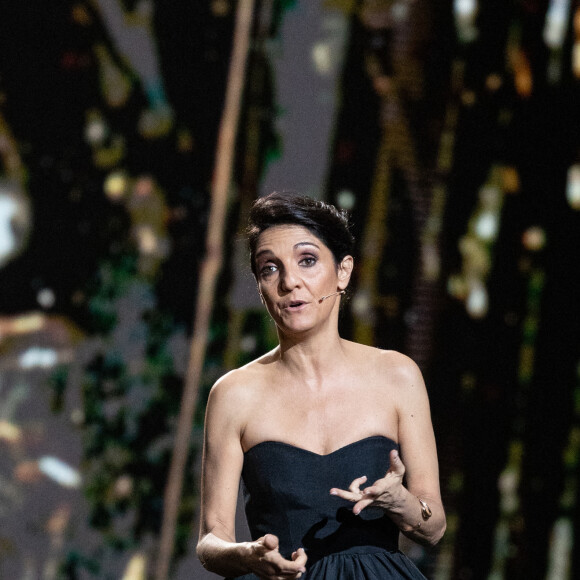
pixel 329 295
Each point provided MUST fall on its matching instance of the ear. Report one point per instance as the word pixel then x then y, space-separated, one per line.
pixel 345 271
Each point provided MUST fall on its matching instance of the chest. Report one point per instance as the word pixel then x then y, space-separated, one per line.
pixel 323 420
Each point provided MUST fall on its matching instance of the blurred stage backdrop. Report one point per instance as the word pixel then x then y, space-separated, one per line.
pixel 448 128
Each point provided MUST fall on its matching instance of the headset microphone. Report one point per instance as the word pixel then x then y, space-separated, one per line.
pixel 329 295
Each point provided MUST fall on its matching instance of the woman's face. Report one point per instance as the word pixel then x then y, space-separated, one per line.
pixel 294 269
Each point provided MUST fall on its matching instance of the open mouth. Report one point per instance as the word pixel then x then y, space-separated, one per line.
pixel 295 304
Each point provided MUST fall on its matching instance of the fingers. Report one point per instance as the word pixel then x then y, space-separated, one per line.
pixel 359 506
pixel 372 493
pixel 270 542
pixel 380 492
pixel 354 487
pixel 354 493
pixel 369 495
pixel 296 567
pixel 273 565
pixel 396 466
pixel 299 557
pixel 361 498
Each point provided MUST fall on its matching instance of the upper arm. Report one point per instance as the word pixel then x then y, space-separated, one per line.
pixel 416 437
pixel 222 461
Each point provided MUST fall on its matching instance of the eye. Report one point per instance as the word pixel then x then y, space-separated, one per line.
pixel 308 261
pixel 267 270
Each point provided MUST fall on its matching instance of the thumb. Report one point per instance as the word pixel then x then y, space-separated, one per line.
pixel 270 542
pixel 396 463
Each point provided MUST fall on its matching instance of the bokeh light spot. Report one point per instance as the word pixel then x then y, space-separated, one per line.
pixel 346 199
pixel 46 298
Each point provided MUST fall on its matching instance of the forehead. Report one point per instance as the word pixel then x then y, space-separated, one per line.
pixel 278 238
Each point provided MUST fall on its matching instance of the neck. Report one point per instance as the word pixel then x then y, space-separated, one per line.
pixel 314 356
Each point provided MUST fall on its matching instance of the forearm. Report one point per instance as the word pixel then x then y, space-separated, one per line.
pixel 223 557
pixel 409 518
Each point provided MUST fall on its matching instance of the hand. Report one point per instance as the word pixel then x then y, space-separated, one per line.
pixel 267 562
pixel 384 493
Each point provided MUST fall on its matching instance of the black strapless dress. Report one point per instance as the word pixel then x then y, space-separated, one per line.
pixel 286 491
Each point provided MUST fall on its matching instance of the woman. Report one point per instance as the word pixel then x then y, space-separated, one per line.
pixel 333 439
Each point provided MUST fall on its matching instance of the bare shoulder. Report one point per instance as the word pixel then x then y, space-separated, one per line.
pixel 385 360
pixel 238 388
pixel 402 368
pixel 392 368
pixel 406 383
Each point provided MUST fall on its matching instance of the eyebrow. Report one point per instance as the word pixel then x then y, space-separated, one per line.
pixel 296 246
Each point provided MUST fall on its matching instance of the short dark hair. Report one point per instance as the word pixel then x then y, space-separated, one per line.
pixel 329 224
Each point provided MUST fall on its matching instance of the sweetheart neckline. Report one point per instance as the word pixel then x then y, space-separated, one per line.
pixel 301 449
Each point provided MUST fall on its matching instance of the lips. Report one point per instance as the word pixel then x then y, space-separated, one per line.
pixel 294 304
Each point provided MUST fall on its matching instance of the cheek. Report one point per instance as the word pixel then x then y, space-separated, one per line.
pixel 265 297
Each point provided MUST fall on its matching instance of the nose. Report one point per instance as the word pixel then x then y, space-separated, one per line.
pixel 289 279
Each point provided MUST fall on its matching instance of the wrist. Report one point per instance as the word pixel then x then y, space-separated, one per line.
pixel 412 514
pixel 246 554
pixel 400 501
pixel 224 557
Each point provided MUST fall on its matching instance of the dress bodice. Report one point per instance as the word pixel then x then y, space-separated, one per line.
pixel 287 493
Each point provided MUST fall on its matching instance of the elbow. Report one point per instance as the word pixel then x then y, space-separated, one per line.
pixel 428 538
pixel 201 552
pixel 437 534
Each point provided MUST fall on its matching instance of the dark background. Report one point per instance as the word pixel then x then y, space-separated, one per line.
pixel 452 137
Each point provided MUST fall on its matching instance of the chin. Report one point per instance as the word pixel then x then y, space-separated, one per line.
pixel 296 324
pixel 294 329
